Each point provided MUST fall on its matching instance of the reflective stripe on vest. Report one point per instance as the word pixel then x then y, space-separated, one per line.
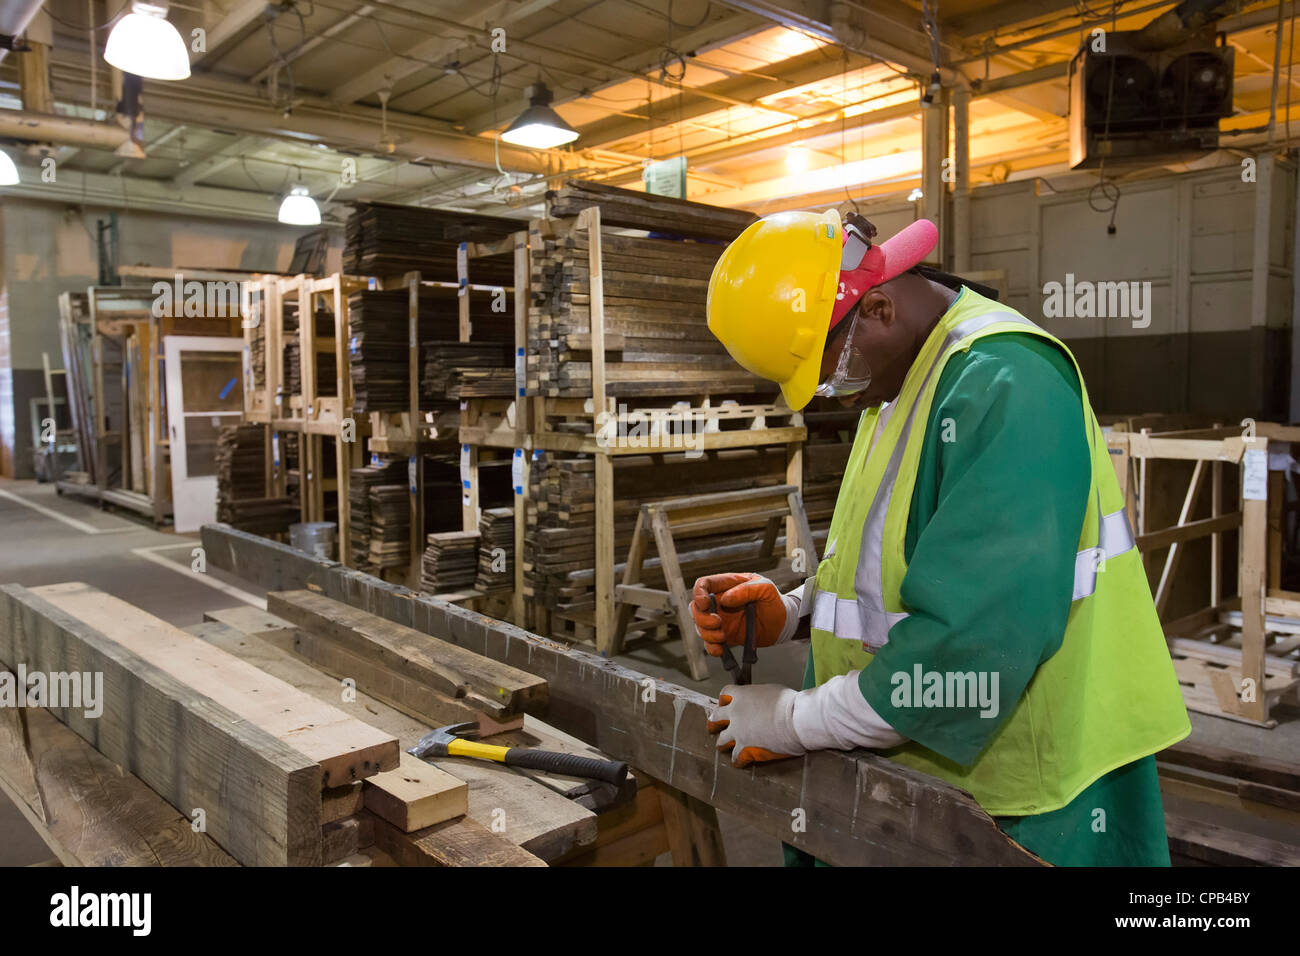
pixel 865 619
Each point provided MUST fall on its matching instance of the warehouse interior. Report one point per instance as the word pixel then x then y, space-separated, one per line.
pixel 385 346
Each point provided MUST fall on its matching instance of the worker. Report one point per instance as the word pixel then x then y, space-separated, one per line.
pixel 980 612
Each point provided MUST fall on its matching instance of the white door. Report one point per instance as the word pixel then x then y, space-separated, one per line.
pixel 205 390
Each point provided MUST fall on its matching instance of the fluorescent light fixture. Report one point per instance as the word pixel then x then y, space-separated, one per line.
pixel 144 43
pixel 539 126
pixel 8 171
pixel 299 209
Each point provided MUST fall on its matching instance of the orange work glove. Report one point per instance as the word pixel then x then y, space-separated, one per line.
pixel 727 626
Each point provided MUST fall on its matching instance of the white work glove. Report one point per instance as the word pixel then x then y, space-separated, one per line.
pixel 764 722
pixel 756 723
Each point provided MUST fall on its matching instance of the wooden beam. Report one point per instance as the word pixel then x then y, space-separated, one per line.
pixel 261 798
pixel 858 808
pixel 345 748
pixel 494 688
pixel 459 842
pixel 416 795
pixel 88 812
pixel 533 815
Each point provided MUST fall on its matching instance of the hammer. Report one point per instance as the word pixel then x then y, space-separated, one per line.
pixel 461 740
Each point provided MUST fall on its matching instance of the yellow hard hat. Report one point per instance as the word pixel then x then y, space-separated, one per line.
pixel 771 296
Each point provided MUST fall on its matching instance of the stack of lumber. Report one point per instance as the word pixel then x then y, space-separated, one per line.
pixel 450 561
pixel 390 526
pixel 455 370
pixel 326 361
pixel 255 755
pixel 657 341
pixel 496 550
pixel 388 239
pixel 360 483
pixel 379 339
pixel 559 542
pixel 241 482
pixel 635 209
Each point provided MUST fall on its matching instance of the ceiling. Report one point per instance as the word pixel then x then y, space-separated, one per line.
pixel 774 105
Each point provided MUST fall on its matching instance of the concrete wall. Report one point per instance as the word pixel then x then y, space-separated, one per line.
pixel 50 248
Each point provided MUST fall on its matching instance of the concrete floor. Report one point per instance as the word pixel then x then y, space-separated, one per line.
pixel 46 538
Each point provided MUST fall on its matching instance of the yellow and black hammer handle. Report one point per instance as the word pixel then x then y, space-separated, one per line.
pixel 574 765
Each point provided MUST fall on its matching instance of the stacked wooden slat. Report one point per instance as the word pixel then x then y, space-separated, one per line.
pixel 640 210
pixel 387 239
pixel 360 483
pixel 390 526
pixel 326 362
pixel 241 483
pixel 559 542
pixel 450 561
pixel 379 341
pixel 454 370
pixel 655 289
pixel 496 550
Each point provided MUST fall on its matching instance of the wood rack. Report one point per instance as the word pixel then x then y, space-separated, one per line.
pixel 1241 679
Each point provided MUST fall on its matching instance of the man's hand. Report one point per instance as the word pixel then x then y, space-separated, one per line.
pixel 727 626
pixel 756 723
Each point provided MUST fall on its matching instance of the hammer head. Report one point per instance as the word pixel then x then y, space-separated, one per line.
pixel 434 743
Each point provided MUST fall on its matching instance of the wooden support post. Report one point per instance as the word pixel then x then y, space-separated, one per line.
pixel 522 420
pixel 605 621
pixel 696 656
pixel 692 825
pixel 1254 571
pixel 415 464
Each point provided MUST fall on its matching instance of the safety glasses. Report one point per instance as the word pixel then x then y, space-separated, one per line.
pixel 852 373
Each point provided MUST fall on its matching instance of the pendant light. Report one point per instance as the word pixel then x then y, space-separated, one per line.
pixel 8 171
pixel 298 208
pixel 145 43
pixel 539 126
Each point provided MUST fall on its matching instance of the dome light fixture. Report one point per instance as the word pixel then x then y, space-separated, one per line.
pixel 145 43
pixel 8 171
pixel 298 208
pixel 539 126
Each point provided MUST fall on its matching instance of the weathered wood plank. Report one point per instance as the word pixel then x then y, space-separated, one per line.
pixel 346 748
pixel 495 688
pixel 85 808
pixel 535 817
pixel 261 798
pixel 458 842
pixel 416 795
pixel 859 808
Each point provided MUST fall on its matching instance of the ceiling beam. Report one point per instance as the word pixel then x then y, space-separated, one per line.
pixel 420 56
pixel 643 62
pixel 219 104
pixel 215 162
pixel 1000 16
pixel 692 103
pixel 238 22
